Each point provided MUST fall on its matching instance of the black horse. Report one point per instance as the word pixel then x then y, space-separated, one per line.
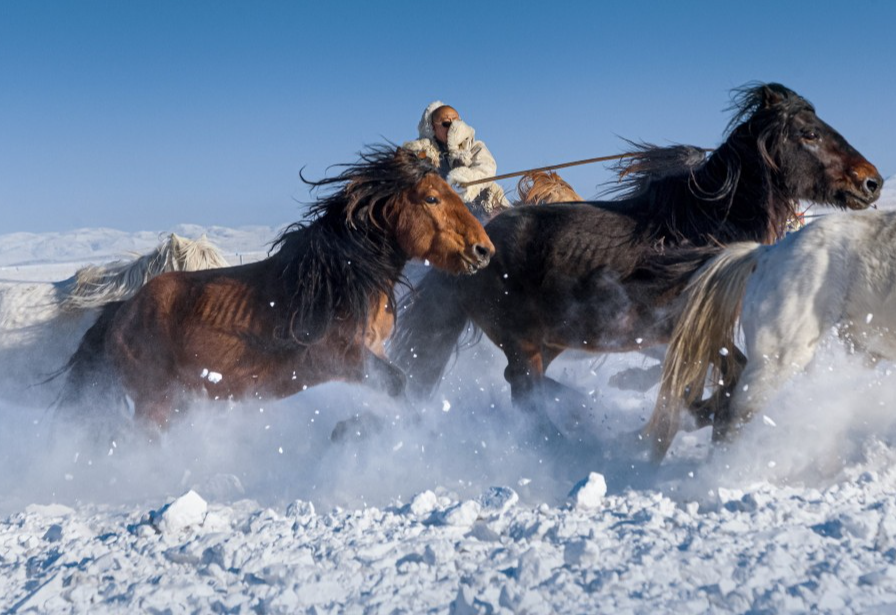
pixel 605 276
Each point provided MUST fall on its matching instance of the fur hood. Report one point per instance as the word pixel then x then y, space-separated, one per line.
pixel 424 126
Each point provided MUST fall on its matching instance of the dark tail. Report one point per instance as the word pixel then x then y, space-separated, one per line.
pixel 430 320
pixel 91 383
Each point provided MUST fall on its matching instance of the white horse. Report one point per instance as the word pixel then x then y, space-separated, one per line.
pixel 41 323
pixel 837 274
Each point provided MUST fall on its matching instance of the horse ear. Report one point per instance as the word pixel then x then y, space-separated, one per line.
pixel 771 96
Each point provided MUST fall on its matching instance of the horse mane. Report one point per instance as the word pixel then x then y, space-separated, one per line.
pixel 689 195
pixel 338 257
pixel 95 285
pixel 752 98
pixel 539 187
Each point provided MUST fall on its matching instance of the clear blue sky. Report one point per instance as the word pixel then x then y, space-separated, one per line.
pixel 140 115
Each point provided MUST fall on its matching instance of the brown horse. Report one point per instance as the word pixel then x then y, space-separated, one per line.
pixel 598 276
pixel 542 187
pixel 298 318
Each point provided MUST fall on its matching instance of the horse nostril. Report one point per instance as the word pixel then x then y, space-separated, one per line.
pixel 871 185
pixel 481 251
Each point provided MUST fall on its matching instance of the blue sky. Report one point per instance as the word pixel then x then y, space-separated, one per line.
pixel 140 115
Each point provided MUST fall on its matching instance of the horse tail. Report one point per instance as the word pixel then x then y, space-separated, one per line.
pixel 703 339
pixel 91 382
pixel 430 320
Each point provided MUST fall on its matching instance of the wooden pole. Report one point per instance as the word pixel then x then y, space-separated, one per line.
pixel 554 166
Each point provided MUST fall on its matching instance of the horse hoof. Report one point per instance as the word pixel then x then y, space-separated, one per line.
pixel 358 427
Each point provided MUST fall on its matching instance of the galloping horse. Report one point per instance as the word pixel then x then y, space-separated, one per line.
pixel 41 322
pixel 595 276
pixel 296 319
pixel 837 273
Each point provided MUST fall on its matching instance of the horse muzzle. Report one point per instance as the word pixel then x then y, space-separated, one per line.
pixel 478 257
pixel 864 188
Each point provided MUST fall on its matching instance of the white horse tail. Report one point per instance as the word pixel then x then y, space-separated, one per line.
pixel 703 339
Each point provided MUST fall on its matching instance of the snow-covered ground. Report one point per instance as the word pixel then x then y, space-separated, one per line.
pixel 250 508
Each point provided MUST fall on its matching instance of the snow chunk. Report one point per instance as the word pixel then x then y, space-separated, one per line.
pixel 583 553
pixel 53 533
pixel 186 511
pixel 466 603
pixel 464 514
pixel 497 500
pixel 589 492
pixel 423 503
pixel 301 511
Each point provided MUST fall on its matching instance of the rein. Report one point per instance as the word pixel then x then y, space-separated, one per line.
pixel 555 166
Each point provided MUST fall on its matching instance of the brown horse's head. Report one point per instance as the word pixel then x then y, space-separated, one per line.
pixel 392 206
pixel 431 222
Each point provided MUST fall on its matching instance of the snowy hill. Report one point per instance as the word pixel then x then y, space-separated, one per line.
pixel 250 508
pixel 888 194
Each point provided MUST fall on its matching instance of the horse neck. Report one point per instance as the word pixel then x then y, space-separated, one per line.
pixel 742 193
pixel 335 272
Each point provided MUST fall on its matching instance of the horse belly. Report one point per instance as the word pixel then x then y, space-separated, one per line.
pixel 600 313
pixel 622 330
pixel 870 321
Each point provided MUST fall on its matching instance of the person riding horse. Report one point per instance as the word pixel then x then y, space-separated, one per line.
pixel 451 145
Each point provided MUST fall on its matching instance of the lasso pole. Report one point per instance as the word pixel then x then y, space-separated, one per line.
pixel 554 166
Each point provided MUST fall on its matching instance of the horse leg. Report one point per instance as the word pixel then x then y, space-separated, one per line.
pixel 382 375
pixel 379 326
pixel 552 388
pixel 153 413
pixel 524 373
pixel 720 401
pixel 529 388
pixel 761 378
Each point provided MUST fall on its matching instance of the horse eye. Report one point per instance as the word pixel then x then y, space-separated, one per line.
pixel 432 200
pixel 810 135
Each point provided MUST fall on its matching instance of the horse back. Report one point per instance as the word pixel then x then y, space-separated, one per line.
pixel 568 239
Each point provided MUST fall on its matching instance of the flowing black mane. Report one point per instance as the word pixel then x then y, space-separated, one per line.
pixel 734 194
pixel 336 258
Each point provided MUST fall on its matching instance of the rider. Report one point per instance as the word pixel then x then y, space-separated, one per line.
pixel 451 145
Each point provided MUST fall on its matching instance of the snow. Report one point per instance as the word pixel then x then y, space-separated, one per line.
pixel 589 492
pixel 249 507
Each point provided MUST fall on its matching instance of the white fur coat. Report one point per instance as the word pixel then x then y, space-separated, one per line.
pixel 465 159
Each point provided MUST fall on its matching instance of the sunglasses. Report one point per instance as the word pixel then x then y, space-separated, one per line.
pixel 447 123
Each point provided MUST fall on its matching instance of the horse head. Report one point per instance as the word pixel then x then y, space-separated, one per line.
pixel 431 222
pixel 809 158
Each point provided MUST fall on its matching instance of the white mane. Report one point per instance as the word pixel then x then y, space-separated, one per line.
pixel 95 285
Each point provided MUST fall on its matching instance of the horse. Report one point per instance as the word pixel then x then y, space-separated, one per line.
pixel 542 187
pixel 600 276
pixel 835 274
pixel 42 322
pixel 298 318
